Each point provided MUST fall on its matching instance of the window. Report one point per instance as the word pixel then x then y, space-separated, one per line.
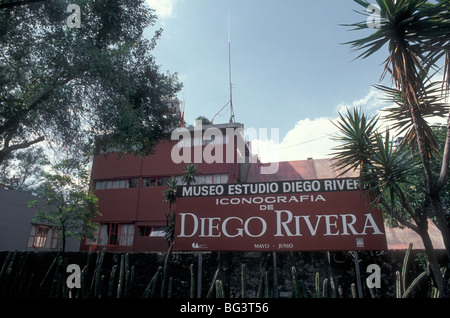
pixel 126 236
pixel 43 236
pixel 113 234
pixel 220 178
pixel 204 179
pixel 149 231
pixel 155 182
pixel 180 181
pixel 56 241
pixel 163 181
pixel 117 184
pixel 133 183
pixel 145 230
pixel 100 185
pixel 212 179
pixel 149 182
pixel 158 232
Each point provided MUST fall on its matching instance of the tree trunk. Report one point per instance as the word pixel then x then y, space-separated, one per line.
pixel 442 223
pixel 423 148
pixel 63 240
pixel 432 259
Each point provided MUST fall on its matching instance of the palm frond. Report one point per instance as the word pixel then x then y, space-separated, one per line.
pixel 170 194
pixel 356 137
pixel 431 104
pixel 190 170
pixel 391 169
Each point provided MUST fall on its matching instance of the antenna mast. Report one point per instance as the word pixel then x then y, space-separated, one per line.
pixel 230 102
pixel 232 119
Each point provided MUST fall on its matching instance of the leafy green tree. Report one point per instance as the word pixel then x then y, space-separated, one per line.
pixel 67 202
pixel 203 120
pixel 69 86
pixel 417 35
pixel 22 170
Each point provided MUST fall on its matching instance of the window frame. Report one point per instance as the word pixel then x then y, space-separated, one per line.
pixel 114 235
pixel 40 239
pixel 117 184
pixel 158 181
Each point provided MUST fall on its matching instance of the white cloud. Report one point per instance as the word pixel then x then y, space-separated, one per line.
pixel 312 138
pixel 163 8
pixel 309 138
pixel 371 102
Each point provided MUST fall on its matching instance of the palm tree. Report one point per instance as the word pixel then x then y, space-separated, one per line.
pixel 387 174
pixel 190 170
pixel 170 196
pixel 417 34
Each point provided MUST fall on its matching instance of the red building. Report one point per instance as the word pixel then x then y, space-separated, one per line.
pixel 130 188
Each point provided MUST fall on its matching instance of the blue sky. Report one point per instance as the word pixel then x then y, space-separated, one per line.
pixel 290 69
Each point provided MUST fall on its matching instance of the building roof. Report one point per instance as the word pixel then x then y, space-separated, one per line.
pixel 397 238
pixel 297 170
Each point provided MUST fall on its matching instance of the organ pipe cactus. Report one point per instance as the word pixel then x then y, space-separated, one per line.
pixel 243 280
pixel 317 283
pixel 192 290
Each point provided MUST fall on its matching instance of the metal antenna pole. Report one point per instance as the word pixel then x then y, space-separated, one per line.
pixel 232 119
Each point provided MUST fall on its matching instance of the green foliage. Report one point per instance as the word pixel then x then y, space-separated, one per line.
pixel 204 120
pixel 317 284
pixel 164 287
pixel 98 281
pixel 390 176
pixel 299 286
pixel 69 86
pixel 170 197
pixel 356 137
pixel 190 170
pixel 220 293
pixel 401 291
pixel 213 284
pixel 416 33
pixel 353 289
pixel 67 201
pixel 170 194
pixel 23 169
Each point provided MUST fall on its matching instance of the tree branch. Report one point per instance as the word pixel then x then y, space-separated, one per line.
pixel 45 96
pixel 445 159
pixel 7 150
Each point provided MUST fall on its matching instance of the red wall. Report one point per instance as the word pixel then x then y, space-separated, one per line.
pixel 142 206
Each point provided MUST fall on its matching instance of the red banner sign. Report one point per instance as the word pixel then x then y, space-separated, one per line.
pixel 307 215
